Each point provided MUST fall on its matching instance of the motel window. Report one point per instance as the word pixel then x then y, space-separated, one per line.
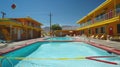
pixel 85 23
pixel 102 30
pixel 96 30
pixel 1 35
pixel 81 25
pixel 29 23
pixel 21 31
pixel 82 31
pixel 89 31
pixel 118 8
pixel 37 26
pixel 89 22
pixel 102 16
pixel 15 30
pixel 97 18
pixel 118 28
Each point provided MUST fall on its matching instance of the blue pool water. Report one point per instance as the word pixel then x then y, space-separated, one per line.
pixel 60 38
pixel 65 50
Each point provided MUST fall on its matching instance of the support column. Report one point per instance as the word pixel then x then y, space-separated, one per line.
pixel 11 32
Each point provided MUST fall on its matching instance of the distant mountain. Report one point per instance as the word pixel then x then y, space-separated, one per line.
pixel 65 27
pixel 69 27
pixel 46 29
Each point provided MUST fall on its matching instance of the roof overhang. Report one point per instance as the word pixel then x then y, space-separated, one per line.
pixel 96 9
pixel 27 19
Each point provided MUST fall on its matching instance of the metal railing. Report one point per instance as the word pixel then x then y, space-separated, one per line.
pixel 102 17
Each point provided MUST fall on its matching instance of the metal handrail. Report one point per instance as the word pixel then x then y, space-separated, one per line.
pixel 7 60
pixel 104 16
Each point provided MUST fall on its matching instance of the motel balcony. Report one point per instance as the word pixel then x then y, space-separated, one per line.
pixel 101 19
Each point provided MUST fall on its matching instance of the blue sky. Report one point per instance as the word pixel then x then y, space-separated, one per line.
pixel 65 12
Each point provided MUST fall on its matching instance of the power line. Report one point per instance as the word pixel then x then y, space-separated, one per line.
pixel 3 14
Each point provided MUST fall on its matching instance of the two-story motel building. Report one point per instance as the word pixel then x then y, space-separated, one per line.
pixel 102 21
pixel 13 29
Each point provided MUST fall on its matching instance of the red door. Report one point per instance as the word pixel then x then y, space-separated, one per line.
pixel 110 30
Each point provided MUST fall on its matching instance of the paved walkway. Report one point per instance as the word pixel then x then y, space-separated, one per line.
pixel 15 44
pixel 109 43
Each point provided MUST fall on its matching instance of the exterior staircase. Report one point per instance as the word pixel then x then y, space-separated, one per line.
pixel 6 34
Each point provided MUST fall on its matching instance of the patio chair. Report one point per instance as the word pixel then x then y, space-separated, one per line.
pixel 97 36
pixel 92 36
pixel 104 37
pixel 115 38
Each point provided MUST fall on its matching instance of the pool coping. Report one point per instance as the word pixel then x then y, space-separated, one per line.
pixel 107 48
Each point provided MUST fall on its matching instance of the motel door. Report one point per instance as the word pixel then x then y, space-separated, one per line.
pixel 31 34
pixel 110 30
pixel 19 34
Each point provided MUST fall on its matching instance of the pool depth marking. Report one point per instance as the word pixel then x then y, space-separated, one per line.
pixel 77 58
pixel 24 58
pixel 104 61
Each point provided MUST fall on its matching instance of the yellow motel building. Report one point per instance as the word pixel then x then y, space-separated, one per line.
pixel 102 22
pixel 14 29
pixel 66 32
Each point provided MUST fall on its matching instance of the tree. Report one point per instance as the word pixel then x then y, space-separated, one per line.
pixel 56 27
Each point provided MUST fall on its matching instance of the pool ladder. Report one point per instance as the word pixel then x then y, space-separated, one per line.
pixel 2 60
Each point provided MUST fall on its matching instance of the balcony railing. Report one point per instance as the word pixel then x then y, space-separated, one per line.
pixel 102 17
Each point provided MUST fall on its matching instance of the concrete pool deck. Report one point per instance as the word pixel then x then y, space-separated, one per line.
pixel 8 47
pixel 108 43
pixel 16 45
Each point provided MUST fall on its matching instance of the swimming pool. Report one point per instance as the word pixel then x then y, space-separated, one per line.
pixel 59 54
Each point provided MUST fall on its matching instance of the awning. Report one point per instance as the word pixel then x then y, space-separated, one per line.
pixel 10 23
pixel 107 2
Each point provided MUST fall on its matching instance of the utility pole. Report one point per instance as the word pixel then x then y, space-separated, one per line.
pixel 50 23
pixel 3 14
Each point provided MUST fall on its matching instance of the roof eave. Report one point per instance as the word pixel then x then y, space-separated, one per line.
pixel 100 6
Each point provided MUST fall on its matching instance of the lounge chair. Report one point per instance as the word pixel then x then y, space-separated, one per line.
pixel 97 36
pixel 115 38
pixel 104 37
pixel 92 36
